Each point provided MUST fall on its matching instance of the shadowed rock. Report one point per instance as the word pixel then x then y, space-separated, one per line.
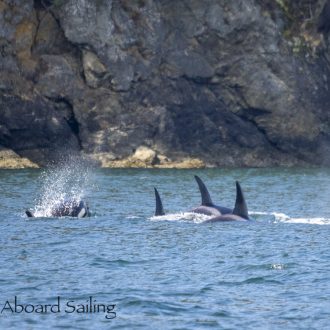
pixel 323 24
pixel 218 81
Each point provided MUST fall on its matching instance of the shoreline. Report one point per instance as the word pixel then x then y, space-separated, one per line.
pixel 12 161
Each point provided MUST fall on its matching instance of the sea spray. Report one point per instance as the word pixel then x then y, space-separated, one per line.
pixel 67 180
pixel 183 216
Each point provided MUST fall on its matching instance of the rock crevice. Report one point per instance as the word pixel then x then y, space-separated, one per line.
pixel 239 83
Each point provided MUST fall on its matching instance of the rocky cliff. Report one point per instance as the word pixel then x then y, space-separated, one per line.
pixel 228 83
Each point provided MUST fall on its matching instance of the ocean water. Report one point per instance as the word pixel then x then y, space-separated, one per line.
pixel 169 272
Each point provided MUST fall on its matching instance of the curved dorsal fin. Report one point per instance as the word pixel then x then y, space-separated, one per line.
pixel 240 208
pixel 206 198
pixel 29 213
pixel 159 204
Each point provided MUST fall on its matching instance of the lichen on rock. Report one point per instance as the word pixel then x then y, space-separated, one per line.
pixel 10 160
pixel 198 83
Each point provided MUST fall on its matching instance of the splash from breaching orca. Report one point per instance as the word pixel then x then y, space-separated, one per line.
pixel 67 208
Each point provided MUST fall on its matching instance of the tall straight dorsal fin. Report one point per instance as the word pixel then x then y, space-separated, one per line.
pixel 159 204
pixel 206 198
pixel 240 208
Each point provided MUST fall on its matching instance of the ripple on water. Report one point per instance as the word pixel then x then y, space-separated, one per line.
pixel 171 272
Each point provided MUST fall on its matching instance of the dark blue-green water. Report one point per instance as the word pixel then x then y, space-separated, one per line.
pixel 171 272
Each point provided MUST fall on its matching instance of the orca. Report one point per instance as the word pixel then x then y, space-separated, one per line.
pixel 208 207
pixel 240 212
pixel 159 205
pixel 67 208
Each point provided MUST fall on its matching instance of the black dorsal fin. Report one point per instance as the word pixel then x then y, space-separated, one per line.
pixel 240 208
pixel 159 204
pixel 29 213
pixel 206 198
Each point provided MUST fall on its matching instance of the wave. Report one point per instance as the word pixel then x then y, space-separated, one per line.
pixel 182 216
pixel 310 221
pixel 285 218
pixel 276 217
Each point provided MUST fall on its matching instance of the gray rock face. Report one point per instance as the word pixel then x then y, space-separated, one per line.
pixel 229 82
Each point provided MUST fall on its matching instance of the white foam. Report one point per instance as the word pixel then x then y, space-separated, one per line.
pixel 310 221
pixel 277 266
pixel 282 217
pixel 184 216
pixel 258 213
pixel 277 217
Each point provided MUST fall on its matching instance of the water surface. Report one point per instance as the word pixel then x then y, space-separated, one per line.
pixel 170 272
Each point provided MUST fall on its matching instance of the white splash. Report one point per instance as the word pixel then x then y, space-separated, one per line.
pixel 67 181
pixel 282 217
pixel 183 216
pixel 132 217
pixel 277 266
pixel 310 221
pixel 276 216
